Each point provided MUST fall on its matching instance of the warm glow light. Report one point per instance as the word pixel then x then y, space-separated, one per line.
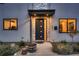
pixel 6 24
pixel 45 27
pixel 67 25
pixel 33 27
pixel 10 24
pixel 47 14
pixel 71 25
pixel 13 23
pixel 63 25
pixel 33 22
pixel 34 14
pixel 48 27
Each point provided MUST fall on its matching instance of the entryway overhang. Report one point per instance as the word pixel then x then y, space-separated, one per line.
pixel 45 19
pixel 41 12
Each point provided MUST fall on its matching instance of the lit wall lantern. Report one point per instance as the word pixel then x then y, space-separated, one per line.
pixel 34 14
pixel 46 14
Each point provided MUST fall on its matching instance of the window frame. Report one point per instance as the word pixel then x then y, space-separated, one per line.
pixel 10 25
pixel 75 24
pixel 67 24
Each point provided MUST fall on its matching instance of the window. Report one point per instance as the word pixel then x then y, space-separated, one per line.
pixel 10 23
pixel 67 25
pixel 63 25
pixel 71 25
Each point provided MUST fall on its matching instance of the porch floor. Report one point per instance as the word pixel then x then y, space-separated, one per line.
pixel 43 49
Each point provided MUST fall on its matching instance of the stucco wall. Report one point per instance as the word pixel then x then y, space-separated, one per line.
pixel 64 11
pixel 15 11
pixel 20 11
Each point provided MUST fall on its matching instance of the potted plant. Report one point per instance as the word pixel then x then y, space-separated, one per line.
pixel 24 51
pixel 32 47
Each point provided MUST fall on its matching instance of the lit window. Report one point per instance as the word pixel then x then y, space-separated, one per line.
pixel 10 23
pixel 67 25
pixel 71 25
pixel 63 25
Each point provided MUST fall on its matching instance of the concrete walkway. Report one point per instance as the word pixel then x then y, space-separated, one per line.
pixel 43 49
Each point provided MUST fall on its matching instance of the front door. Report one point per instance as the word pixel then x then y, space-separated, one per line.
pixel 39 29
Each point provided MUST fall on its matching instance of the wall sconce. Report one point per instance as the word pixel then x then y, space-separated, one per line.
pixel 34 14
pixel 46 14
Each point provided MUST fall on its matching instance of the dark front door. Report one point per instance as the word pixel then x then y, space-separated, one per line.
pixel 39 29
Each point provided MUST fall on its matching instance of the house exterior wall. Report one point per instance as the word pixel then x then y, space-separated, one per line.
pixel 64 11
pixel 20 11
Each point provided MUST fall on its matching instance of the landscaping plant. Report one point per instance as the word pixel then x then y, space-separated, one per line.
pixel 63 48
pixel 6 50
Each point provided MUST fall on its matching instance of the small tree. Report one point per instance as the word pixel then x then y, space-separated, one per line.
pixel 72 31
pixel 72 35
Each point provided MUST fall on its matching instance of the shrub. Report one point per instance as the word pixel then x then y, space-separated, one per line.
pixel 62 48
pixel 76 47
pixel 1 42
pixel 6 50
pixel 54 47
pixel 63 41
pixel 21 43
pixel 77 43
